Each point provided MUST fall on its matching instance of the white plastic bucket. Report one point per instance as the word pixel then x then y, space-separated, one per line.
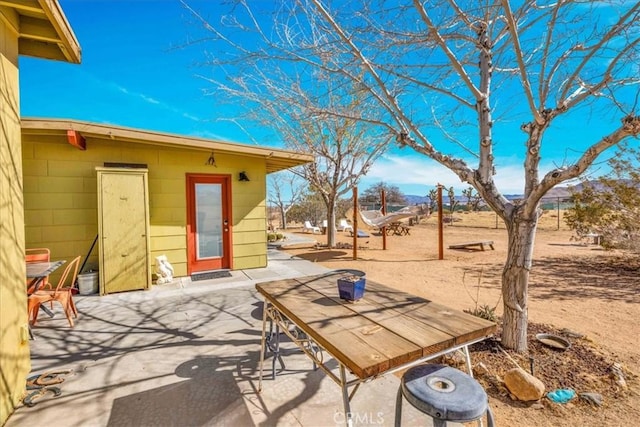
pixel 88 283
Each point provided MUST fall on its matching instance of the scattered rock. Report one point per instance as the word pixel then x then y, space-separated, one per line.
pixel 455 359
pixel 593 398
pixel 523 385
pixel 537 405
pixel 570 333
pixel 618 375
pixel 481 370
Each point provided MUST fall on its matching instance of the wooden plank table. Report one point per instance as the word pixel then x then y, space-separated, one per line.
pixel 386 331
pixel 480 244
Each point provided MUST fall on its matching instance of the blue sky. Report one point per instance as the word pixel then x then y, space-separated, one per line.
pixel 139 71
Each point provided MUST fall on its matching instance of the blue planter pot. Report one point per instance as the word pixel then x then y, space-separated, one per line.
pixel 352 288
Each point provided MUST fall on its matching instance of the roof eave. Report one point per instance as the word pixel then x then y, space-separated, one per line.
pixel 42 29
pixel 276 159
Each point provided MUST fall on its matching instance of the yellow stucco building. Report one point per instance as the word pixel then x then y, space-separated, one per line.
pixel 199 202
pixel 35 28
pixel 202 203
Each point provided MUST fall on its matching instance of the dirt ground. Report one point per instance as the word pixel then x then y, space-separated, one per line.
pixel 577 290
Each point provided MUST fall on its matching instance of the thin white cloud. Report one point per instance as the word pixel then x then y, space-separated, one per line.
pixel 150 100
pixel 209 135
pixel 418 170
pixel 153 101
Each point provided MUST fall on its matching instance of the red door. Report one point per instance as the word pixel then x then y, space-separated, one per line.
pixel 208 222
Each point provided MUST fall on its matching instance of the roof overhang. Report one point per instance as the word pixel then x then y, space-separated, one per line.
pixel 77 132
pixel 42 28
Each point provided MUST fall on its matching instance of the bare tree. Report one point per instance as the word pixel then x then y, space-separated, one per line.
pixel 344 151
pixel 285 190
pixel 392 193
pixel 473 199
pixel 468 193
pixel 441 71
pixel 433 199
pixel 308 108
pixel 453 203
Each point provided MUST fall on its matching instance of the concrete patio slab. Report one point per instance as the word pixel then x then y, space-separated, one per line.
pixel 186 354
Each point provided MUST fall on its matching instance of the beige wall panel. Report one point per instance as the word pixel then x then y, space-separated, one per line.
pixel 168 242
pixel 242 263
pixel 42 217
pixel 164 216
pixel 34 168
pixel 174 256
pixel 171 200
pixel 249 237
pixel 70 168
pixel 38 201
pixel 174 185
pixel 89 184
pixel 85 200
pixel 63 233
pixel 257 224
pixel 169 230
pixel 75 216
pixel 33 237
pixel 180 158
pixel 249 249
pixel 30 184
pixel 53 184
pixel 140 154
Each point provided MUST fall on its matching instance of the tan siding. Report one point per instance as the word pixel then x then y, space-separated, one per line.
pixel 161 242
pixel 249 237
pixel 242 263
pixel 61 198
pixel 15 364
pixel 169 230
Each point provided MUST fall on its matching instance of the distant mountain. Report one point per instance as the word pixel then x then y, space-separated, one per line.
pixel 554 193
pixel 416 200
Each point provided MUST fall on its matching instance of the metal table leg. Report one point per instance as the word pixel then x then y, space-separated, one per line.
pixel 345 396
pixel 263 343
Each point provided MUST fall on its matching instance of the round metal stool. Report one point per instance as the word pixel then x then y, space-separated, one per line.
pixel 444 393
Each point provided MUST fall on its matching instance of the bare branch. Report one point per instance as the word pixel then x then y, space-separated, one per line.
pixel 443 45
pixel 630 127
pixel 515 38
pixel 625 20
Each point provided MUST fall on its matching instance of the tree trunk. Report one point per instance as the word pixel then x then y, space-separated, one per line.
pixel 515 281
pixel 331 224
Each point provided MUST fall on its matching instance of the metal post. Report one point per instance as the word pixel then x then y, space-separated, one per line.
pixel 440 225
pixel 355 223
pixel 384 212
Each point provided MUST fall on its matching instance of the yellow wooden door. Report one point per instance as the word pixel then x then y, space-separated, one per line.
pixel 123 224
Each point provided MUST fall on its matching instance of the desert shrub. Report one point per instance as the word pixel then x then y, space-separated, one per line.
pixel 484 311
pixel 274 237
pixel 610 206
